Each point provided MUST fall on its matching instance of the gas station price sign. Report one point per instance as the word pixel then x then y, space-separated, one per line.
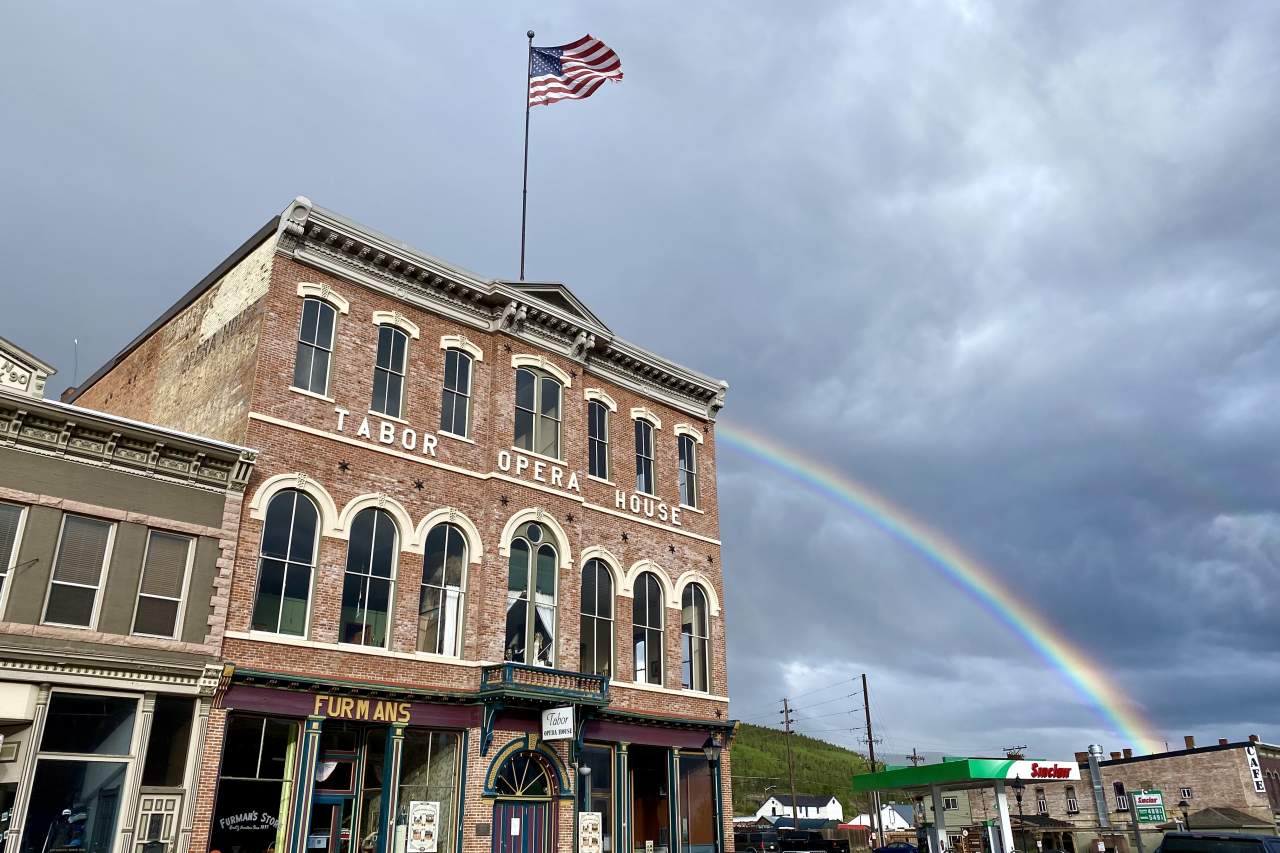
pixel 1148 806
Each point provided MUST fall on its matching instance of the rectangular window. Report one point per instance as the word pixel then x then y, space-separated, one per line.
pixel 455 406
pixel 388 372
pixel 429 769
pixel 644 458
pixel 950 804
pixel 83 550
pixel 598 439
pixel 698 825
pixel 164 582
pixel 1122 803
pixel 11 516
pixel 595 794
pixel 1073 805
pixel 255 784
pixel 315 347
pixel 537 413
pixel 166 761
pixel 1042 803
pixel 688 470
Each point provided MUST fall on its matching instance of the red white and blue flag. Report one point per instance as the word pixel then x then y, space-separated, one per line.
pixel 571 70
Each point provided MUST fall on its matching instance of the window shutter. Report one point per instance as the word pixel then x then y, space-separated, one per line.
pixel 166 566
pixel 82 550
pixel 9 515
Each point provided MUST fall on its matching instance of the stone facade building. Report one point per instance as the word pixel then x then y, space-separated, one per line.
pixel 117 540
pixel 473 504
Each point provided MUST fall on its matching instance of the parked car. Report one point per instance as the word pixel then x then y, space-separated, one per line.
pixel 806 841
pixel 897 847
pixel 756 841
pixel 1218 842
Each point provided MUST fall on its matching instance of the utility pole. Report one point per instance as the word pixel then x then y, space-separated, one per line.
pixel 877 824
pixel 915 758
pixel 791 766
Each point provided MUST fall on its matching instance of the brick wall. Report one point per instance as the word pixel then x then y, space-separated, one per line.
pixel 195 373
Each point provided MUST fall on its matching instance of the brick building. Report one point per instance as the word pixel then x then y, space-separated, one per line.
pixel 473 503
pixel 117 540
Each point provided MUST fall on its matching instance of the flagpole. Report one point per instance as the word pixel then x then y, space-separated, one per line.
pixel 524 199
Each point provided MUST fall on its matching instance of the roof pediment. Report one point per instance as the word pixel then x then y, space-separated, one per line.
pixel 556 294
pixel 21 372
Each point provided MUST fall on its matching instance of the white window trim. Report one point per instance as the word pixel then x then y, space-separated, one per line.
pixel 186 587
pixel 329 525
pixel 295 389
pixel 541 363
pixel 102 576
pixel 643 413
pixel 403 373
pixel 23 512
pixel 689 430
pixel 325 293
pixel 398 321
pixel 607 441
pixel 460 342
pixel 654 459
pixel 601 397
pixel 661 629
pixel 459 519
pixel 695 576
pixel 474 353
pixel 315 566
pixel 544 518
pixel 681 470
pixel 469 535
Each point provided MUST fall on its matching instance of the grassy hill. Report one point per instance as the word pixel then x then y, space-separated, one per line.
pixel 759 757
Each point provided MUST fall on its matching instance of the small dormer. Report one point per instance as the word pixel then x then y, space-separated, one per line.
pixel 21 372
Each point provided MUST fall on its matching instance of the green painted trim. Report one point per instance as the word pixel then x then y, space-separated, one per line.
pixel 956 772
pixel 461 792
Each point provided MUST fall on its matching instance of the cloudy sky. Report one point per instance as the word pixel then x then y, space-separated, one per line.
pixel 1012 266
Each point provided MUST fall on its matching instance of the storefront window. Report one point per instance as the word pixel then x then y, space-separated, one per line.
pixel 166 761
pixel 76 796
pixel 428 787
pixel 254 785
pixel 697 806
pixel 650 814
pixel 595 789
pixel 374 767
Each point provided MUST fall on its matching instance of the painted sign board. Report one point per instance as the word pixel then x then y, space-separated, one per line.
pixel 1037 771
pixel 557 723
pixel 1148 806
pixel 1255 769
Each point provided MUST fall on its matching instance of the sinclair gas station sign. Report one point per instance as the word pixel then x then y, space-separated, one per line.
pixel 1148 806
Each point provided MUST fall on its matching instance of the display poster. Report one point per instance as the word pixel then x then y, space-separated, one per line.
pixel 424 826
pixel 590 838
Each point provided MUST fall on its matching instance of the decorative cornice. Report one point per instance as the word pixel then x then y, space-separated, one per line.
pixel 80 435
pixel 324 240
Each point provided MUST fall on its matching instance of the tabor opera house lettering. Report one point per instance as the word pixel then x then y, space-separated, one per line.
pixel 647 506
pixel 389 433
pixel 557 723
pixel 374 710
pixel 538 469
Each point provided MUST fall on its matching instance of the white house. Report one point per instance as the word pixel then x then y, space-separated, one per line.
pixel 891 819
pixel 816 807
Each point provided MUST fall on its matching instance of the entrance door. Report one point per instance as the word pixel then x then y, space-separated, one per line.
pixel 521 827
pixel 331 822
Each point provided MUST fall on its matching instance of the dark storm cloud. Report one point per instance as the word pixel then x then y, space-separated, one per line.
pixel 1012 266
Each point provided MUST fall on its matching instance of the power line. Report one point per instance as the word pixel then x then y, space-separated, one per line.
pixel 827 701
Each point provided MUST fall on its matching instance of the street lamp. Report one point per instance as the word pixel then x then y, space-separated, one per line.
pixel 585 770
pixel 1018 787
pixel 713 747
pixel 1186 820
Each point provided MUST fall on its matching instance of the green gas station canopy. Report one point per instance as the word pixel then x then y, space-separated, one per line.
pixel 960 773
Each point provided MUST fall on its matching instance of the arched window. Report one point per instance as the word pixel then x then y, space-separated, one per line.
pixel 597 439
pixel 531 578
pixel 694 635
pixel 388 371
pixel 538 398
pixel 366 590
pixel 523 774
pixel 595 639
pixel 455 404
pixel 288 556
pixel 644 458
pixel 647 615
pixel 440 604
pixel 315 347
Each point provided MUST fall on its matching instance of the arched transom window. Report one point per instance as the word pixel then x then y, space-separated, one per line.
pixel 595 641
pixel 647 614
pixel 531 597
pixel 288 557
pixel 440 603
pixel 366 589
pixel 523 774
pixel 694 636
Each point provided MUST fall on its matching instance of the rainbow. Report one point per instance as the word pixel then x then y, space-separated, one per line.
pixel 1088 678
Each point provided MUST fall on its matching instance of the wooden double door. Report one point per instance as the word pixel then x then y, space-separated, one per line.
pixel 522 826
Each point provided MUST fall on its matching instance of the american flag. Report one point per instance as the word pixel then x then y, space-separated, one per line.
pixel 571 70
